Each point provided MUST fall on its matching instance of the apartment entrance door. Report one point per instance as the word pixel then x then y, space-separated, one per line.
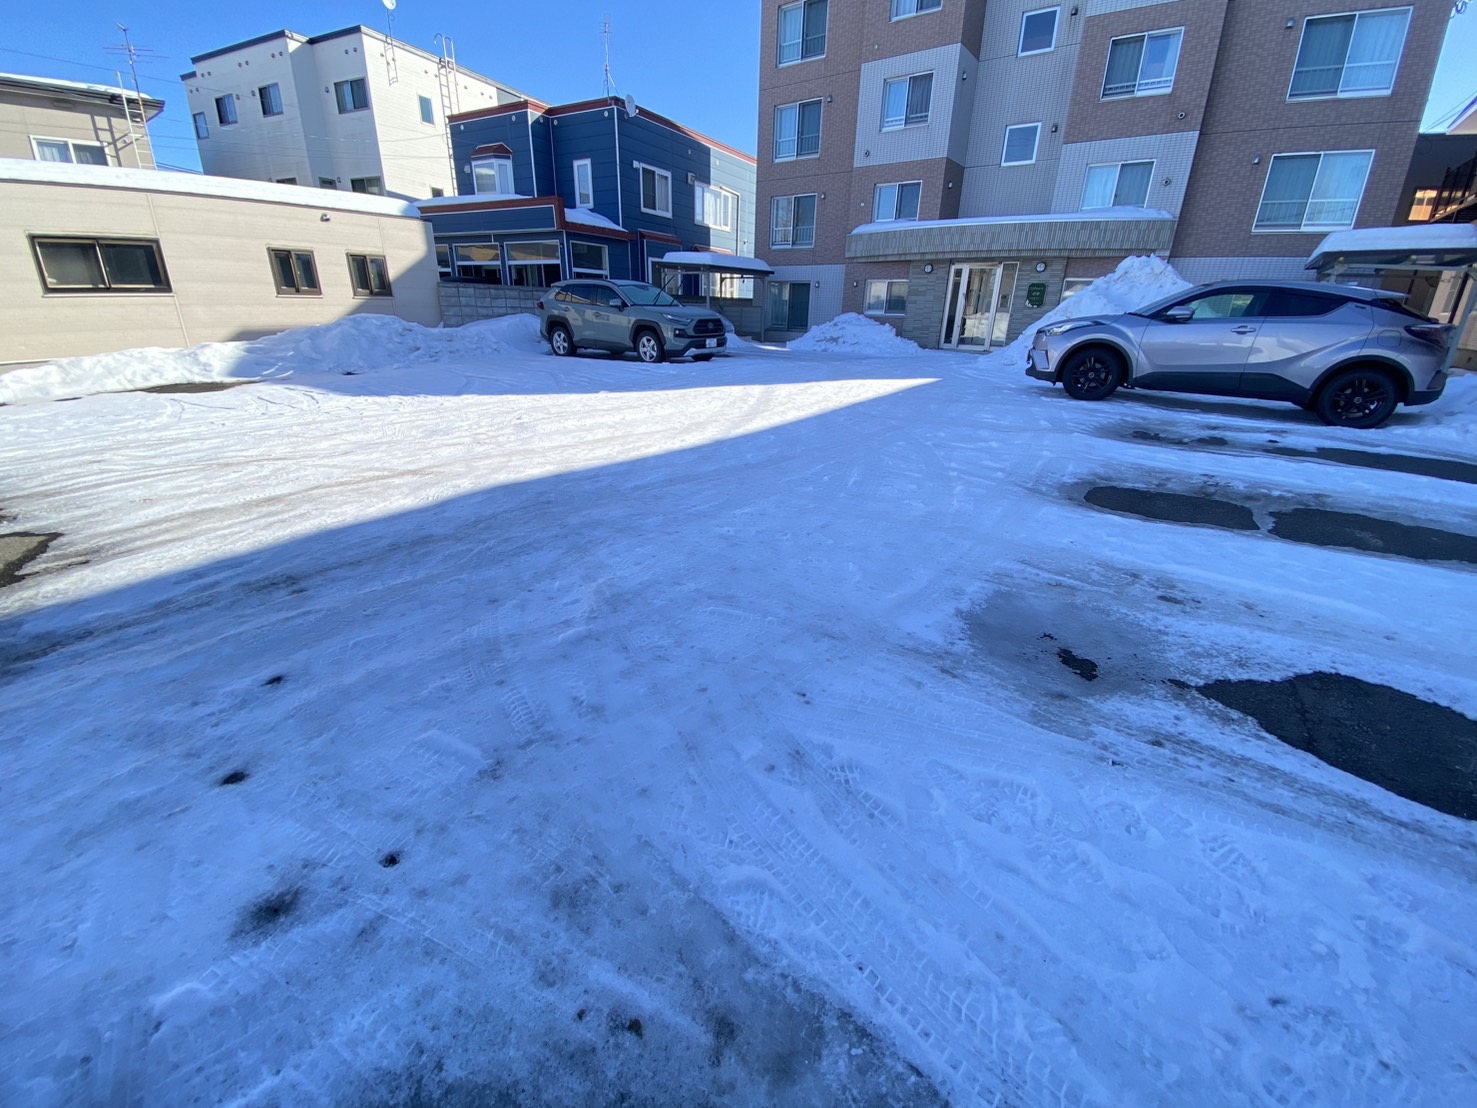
pixel 969 312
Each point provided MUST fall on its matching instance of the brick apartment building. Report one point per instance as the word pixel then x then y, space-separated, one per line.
pixel 956 167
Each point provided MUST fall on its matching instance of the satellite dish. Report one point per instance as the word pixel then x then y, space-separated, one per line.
pixel 630 105
pixel 389 5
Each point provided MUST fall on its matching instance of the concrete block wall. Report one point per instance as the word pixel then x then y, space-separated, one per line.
pixel 463 303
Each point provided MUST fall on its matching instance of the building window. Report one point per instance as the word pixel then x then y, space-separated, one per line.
pixel 1423 205
pixel 533 265
pixel 584 184
pixel 887 298
pixel 588 259
pixel 899 201
pixel 1349 55
pixel 1038 32
pixel 1020 144
pixel 436 193
pixel 713 207
pixel 270 98
pixel 789 305
pixel 285 180
pixel 1313 192
pixel 1071 286
pixel 202 127
pixel 479 262
pixel 905 100
pixel 352 96
pixel 327 183
pixel 428 110
pixel 792 221
pixel 369 274
pixel 295 272
pixel 656 191
pixel 63 150
pixel 493 176
pixel 443 261
pixel 100 265
pixel 1125 185
pixel 225 110
pixel 374 186
pixel 1142 65
pixel 901 9
pixel 802 31
pixel 797 130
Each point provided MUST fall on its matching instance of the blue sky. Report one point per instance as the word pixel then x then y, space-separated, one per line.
pixel 695 62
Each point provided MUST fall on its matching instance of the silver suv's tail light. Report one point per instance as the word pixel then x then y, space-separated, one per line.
pixel 1437 334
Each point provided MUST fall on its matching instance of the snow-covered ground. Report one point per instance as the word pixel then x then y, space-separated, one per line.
pixel 437 721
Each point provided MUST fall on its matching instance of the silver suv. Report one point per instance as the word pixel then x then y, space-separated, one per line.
pixel 621 316
pixel 1350 355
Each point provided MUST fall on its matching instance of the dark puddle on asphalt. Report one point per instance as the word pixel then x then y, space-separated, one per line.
pixel 1311 526
pixel 1416 749
pixel 18 549
pixel 195 386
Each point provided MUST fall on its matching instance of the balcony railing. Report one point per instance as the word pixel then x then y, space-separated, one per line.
pixel 1458 191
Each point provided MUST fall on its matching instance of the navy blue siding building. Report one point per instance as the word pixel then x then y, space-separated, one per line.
pixel 546 193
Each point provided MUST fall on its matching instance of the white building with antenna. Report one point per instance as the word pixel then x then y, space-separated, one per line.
pixel 353 109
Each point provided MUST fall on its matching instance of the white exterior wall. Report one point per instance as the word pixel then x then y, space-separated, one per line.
pixel 1172 155
pixel 311 140
pixel 946 133
pixel 215 254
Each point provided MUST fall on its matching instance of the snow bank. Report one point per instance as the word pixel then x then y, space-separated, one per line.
pixel 357 344
pixel 1136 282
pixel 854 334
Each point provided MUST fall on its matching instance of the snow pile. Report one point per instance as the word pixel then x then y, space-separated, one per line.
pixel 854 334
pixel 354 345
pixel 1136 282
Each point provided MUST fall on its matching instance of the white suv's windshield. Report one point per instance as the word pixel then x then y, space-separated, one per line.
pixel 638 293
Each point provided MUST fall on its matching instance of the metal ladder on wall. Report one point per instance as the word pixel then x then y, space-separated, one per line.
pixel 451 97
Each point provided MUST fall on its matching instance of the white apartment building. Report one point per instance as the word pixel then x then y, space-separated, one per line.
pixel 352 110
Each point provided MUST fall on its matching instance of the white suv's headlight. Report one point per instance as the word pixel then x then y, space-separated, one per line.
pixel 1055 329
pixel 679 320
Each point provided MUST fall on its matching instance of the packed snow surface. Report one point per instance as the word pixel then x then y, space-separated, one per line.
pixel 483 727
pixel 854 334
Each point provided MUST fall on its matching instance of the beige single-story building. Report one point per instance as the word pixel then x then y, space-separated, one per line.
pixel 96 258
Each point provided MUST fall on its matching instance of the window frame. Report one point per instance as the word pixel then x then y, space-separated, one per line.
pixel 1152 163
pixel 261 99
pixel 428 110
pixel 71 148
pixel 165 288
pixel 1318 228
pixel 642 169
pixel 378 190
pixel 1409 11
pixel 774 291
pixel 1056 26
pixel 802 56
pixel 367 289
pixel 791 244
pixel 1035 143
pixel 457 264
pixel 887 296
pixel 328 183
pixel 897 202
pixel 228 100
pixel 349 83
pixel 699 205
pixel 576 272
pixel 895 15
pixel 589 167
pixel 202 125
pixel 908 96
pixel 294 255
pixel 796 107
pixel 513 267
pixel 1138 80
pixel 496 161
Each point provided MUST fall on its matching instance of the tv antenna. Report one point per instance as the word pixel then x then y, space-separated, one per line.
pixel 610 86
pixel 138 120
pixel 392 64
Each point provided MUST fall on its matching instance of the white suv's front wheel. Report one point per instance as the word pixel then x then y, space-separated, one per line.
pixel 649 347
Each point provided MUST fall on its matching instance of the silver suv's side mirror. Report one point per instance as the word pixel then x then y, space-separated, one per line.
pixel 1180 313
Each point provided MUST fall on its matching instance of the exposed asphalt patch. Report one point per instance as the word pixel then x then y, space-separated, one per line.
pixel 1084 668
pixel 1379 536
pixel 19 548
pixel 1416 749
pixel 1440 468
pixel 195 386
pixel 1172 507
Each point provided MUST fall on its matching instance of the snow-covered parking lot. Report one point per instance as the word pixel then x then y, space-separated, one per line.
pixel 434 721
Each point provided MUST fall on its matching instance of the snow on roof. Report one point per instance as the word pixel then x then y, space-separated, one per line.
pixel 1415 239
pixel 57 85
pixel 728 263
pixel 1092 216
pixel 590 218
pixel 191 184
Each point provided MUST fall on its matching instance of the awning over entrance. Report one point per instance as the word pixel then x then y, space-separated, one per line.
pixel 1101 233
pixel 1423 246
pixel 702 261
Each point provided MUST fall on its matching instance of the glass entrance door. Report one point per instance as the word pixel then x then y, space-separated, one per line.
pixel 969 317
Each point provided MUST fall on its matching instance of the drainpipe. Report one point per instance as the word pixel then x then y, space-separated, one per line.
pixel 620 203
